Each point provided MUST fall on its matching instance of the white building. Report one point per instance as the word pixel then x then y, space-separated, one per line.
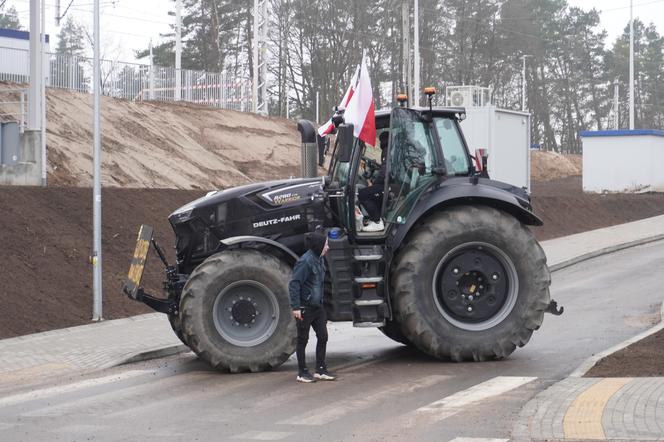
pixel 15 55
pixel 623 160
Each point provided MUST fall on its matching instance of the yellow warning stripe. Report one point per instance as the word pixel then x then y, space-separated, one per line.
pixel 583 419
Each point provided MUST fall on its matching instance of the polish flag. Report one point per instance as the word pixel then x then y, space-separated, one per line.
pixel 329 126
pixel 360 109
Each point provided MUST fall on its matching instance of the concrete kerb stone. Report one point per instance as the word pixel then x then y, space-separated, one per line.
pixel 591 361
pixel 605 251
pixel 146 355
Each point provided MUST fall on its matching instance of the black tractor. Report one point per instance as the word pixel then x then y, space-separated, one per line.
pixel 455 272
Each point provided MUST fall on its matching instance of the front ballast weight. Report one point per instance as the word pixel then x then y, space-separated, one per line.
pixel 132 286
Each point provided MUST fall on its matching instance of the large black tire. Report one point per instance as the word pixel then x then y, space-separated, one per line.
pixel 452 254
pixel 392 330
pixel 235 312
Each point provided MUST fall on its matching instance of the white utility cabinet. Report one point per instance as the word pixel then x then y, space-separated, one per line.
pixel 623 161
pixel 505 134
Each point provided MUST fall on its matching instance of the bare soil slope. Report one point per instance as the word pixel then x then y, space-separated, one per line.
pixel 166 145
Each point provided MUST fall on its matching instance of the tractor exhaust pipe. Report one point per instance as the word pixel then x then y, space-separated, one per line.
pixel 309 154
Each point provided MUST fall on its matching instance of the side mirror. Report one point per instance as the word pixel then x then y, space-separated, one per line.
pixel 482 159
pixel 345 140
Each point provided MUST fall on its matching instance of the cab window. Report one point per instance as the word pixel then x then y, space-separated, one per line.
pixel 456 160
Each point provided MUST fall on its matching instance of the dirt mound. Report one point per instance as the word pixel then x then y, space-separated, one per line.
pixel 166 145
pixel 550 165
pixel 46 247
pixel 566 209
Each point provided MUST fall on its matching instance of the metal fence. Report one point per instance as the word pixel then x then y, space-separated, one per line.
pixel 131 81
pixel 14 107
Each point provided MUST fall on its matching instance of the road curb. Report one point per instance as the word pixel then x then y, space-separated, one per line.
pixel 147 355
pixel 604 251
pixel 594 359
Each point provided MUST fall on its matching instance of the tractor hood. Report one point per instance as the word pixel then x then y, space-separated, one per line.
pixel 267 195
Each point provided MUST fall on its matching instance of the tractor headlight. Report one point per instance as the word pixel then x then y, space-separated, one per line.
pixel 181 215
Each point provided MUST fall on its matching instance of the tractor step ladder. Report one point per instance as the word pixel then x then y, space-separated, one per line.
pixel 370 308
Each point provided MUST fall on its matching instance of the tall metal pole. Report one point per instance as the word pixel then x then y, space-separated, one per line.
pixel 151 94
pixel 405 32
pixel 35 68
pixel 254 88
pixel 616 104
pixel 631 66
pixel 42 92
pixel 178 49
pixel 317 107
pixel 416 51
pixel 96 189
pixel 264 24
pixel 523 83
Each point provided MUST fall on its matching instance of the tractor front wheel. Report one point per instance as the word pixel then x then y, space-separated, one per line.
pixel 235 312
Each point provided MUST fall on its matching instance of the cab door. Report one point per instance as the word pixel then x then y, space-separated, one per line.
pixel 413 163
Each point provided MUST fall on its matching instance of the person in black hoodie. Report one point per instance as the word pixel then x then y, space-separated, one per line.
pixel 306 298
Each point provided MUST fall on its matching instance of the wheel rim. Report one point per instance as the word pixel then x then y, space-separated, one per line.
pixel 246 313
pixel 475 286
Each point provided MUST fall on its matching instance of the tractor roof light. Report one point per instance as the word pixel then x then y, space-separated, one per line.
pixel 402 99
pixel 430 92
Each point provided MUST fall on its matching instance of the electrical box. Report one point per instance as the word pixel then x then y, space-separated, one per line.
pixel 9 150
pixel 505 134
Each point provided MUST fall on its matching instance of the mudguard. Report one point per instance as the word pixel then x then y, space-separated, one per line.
pixel 459 191
pixel 237 240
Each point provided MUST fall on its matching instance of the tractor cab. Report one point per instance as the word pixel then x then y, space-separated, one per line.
pixel 421 148
pixel 415 149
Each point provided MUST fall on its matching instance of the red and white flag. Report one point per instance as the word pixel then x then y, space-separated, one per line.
pixel 326 128
pixel 360 110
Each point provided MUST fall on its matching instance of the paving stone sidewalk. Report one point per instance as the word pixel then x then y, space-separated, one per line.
pixel 595 409
pixel 88 347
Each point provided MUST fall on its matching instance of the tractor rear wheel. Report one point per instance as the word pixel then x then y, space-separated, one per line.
pixel 471 283
pixel 235 312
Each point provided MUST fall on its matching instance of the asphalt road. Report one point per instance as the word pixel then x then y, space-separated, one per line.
pixel 385 391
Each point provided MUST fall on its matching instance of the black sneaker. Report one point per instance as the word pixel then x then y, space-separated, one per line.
pixel 324 375
pixel 305 377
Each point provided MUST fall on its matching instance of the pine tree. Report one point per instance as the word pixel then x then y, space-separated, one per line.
pixel 9 18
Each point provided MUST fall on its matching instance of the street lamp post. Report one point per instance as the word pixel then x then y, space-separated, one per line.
pixel 96 190
pixel 631 67
pixel 523 83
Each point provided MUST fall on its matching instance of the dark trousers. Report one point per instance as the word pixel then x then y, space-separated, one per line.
pixel 371 199
pixel 317 319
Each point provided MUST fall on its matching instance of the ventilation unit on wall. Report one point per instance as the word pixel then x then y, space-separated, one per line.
pixel 467 96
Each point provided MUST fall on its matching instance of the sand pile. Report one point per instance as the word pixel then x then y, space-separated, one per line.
pixel 166 145
pixel 551 165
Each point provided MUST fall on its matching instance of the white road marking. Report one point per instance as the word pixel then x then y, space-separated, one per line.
pixel 485 390
pixel 263 435
pixel 68 388
pixel 332 412
pixel 477 439
pixel 451 405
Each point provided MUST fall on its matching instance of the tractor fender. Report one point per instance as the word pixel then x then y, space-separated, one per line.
pixel 287 253
pixel 442 196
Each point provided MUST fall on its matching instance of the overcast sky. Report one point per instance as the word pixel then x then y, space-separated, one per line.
pixel 127 25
